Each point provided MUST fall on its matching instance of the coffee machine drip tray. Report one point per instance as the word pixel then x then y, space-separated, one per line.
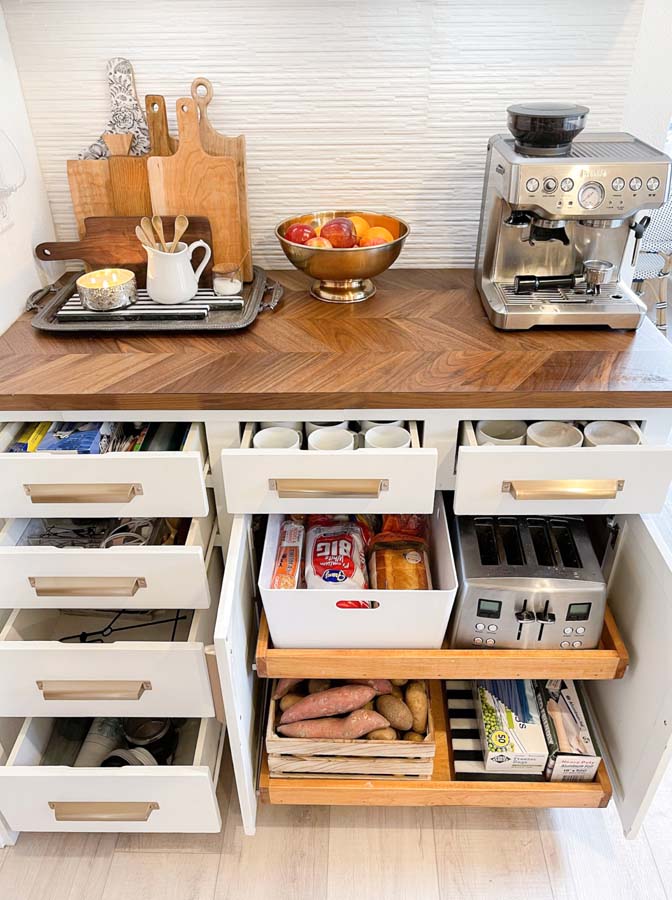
pixel 616 306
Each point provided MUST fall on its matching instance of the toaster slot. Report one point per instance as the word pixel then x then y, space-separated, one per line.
pixel 487 541
pixel 541 542
pixel 564 541
pixel 513 548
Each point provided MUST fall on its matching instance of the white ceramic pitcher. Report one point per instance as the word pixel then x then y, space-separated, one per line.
pixel 170 277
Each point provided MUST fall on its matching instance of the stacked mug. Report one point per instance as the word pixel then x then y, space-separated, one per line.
pixel 510 433
pixel 331 436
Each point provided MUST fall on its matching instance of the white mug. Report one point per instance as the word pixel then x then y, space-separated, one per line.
pixel 554 434
pixel 331 439
pixel 598 434
pixel 387 437
pixel 500 431
pixel 295 426
pixel 170 277
pixel 276 438
pixel 367 424
pixel 313 426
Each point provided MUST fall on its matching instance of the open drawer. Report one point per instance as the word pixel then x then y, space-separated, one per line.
pixel 145 483
pixel 176 798
pixel 145 577
pixel 525 479
pixel 364 480
pixel 143 671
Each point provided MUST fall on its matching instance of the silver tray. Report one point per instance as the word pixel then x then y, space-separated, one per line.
pixel 260 294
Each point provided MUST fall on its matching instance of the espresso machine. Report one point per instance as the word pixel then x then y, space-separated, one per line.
pixel 562 219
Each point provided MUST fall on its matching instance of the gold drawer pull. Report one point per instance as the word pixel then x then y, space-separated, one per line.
pixel 86 587
pixel 589 489
pixel 93 690
pixel 328 488
pixel 82 493
pixel 85 811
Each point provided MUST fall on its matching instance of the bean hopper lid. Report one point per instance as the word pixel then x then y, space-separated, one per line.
pixel 545 129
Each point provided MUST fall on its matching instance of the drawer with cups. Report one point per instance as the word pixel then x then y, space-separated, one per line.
pixel 117 662
pixel 102 469
pixel 137 563
pixel 510 468
pixel 339 467
pixel 82 775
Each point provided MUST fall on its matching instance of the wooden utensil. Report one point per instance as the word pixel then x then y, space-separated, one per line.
pixel 220 145
pixel 128 177
pixel 141 236
pixel 112 241
pixel 146 226
pixel 157 225
pixel 161 141
pixel 90 189
pixel 181 225
pixel 201 184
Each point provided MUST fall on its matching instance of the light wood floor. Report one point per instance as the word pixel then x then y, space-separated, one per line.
pixel 315 853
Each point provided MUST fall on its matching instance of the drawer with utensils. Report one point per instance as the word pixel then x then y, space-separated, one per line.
pixel 295 480
pixel 62 563
pixel 517 478
pixel 38 792
pixel 149 482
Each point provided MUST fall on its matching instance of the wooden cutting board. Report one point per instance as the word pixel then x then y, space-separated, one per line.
pixel 128 178
pixel 90 189
pixel 220 145
pixel 111 241
pixel 194 183
pixel 160 140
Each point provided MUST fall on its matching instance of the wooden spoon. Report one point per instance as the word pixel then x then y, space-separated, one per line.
pixel 150 237
pixel 181 225
pixel 141 236
pixel 158 228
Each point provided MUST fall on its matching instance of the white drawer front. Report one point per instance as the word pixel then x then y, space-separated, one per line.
pixel 363 480
pixel 128 577
pixel 179 798
pixel 579 480
pixel 113 484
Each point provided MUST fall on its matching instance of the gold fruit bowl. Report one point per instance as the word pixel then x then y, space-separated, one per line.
pixel 343 275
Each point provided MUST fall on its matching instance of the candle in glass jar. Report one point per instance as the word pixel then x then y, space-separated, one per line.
pixel 107 289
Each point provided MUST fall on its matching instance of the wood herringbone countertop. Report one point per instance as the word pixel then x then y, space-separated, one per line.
pixel 422 341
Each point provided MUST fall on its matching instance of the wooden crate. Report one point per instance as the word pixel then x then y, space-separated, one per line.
pixel 348 758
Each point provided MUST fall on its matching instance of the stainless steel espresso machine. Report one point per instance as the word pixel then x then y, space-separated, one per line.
pixel 562 219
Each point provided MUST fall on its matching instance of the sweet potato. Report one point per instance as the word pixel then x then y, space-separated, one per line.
pixel 381 685
pixel 413 736
pixel 395 710
pixel 356 725
pixel 416 701
pixel 316 685
pixel 289 700
pixel 329 703
pixel 399 682
pixel 284 686
pixel 382 734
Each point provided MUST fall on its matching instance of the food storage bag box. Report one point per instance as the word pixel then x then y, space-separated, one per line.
pixel 510 725
pixel 80 437
pixel 573 753
pixel 328 617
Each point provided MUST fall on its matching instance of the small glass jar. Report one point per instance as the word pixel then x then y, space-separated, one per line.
pixel 227 280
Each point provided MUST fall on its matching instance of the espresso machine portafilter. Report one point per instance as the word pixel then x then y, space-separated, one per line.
pixel 562 219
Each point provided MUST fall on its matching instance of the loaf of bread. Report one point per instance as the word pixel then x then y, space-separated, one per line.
pixel 400 567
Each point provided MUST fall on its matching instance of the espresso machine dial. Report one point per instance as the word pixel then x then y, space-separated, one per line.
pixel 591 195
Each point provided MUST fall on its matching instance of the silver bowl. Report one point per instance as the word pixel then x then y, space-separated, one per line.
pixel 343 275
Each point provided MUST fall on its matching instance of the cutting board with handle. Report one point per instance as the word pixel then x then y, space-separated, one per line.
pixel 111 241
pixel 194 183
pixel 220 145
pixel 160 140
pixel 128 178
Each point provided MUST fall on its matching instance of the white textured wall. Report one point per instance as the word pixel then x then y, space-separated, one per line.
pixel 379 103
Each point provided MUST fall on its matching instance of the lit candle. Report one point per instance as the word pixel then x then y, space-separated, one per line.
pixel 107 289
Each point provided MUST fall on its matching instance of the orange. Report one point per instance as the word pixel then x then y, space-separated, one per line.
pixel 379 232
pixel 361 225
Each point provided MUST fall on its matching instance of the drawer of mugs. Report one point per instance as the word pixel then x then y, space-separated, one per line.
pixel 113 774
pixel 508 467
pixel 330 467
pixel 92 469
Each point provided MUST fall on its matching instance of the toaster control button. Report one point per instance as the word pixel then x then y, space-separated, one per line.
pixel 492 628
pixel 580 630
pixel 547 618
pixel 525 615
pixel 478 640
pixel 564 644
pixel 490 642
pixel 577 643
pixel 480 626
pixel 568 630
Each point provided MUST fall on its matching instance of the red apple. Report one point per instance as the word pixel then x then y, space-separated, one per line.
pixel 372 241
pixel 340 232
pixel 299 233
pixel 320 242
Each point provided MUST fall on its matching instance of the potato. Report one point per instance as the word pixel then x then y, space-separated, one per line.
pixel 316 685
pixel 284 686
pixel 356 725
pixel 397 692
pixel 399 682
pixel 332 702
pixel 289 700
pixel 395 711
pixel 416 700
pixel 382 734
pixel 413 736
pixel 369 705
